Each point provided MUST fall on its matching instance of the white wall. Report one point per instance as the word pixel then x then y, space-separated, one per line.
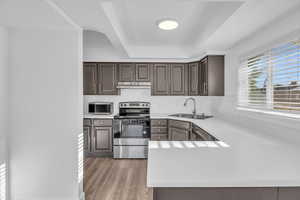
pixel 285 28
pixel 3 90
pixel 97 46
pixel 45 113
pixel 3 94
pixel 159 104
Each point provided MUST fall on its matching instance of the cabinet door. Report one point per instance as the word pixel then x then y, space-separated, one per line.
pixel 196 137
pixel 178 79
pixel 289 193
pixel 102 139
pixel 142 72
pixel 216 193
pixel 107 79
pixel 176 134
pixel 203 78
pixel 160 84
pixel 126 72
pixel 215 76
pixel 87 138
pixel 89 78
pixel 194 79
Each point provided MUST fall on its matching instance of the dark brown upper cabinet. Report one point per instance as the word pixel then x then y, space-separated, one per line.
pixel 178 79
pixel 211 76
pixel 99 79
pixel 107 79
pixel 203 78
pixel 161 79
pixel 193 79
pixel 90 81
pixel 143 72
pixel 126 72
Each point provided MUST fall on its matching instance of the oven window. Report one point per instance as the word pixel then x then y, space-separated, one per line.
pixel 134 129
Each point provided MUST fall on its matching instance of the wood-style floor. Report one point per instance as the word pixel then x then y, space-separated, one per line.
pixel 109 179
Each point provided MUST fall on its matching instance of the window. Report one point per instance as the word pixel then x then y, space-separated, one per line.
pixel 270 81
pixel 2 181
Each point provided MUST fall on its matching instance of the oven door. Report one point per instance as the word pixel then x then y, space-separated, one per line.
pixel 135 128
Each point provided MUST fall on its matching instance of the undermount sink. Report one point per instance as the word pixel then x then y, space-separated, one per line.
pixel 191 116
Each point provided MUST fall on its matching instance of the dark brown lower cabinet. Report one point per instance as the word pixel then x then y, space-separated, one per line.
pixel 159 129
pixel 159 137
pixel 97 137
pixel 102 141
pixel 177 134
pixel 292 193
pixel 179 130
pixel 241 193
pixel 195 137
pixel 87 130
pixel 198 134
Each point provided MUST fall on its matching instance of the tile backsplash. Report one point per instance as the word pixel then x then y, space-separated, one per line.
pixel 159 104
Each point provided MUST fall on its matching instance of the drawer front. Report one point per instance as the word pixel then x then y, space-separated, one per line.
pixel 103 122
pixel 159 137
pixel 159 122
pixel 179 124
pixel 87 122
pixel 162 130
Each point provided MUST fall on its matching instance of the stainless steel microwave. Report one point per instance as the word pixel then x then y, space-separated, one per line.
pixel 101 108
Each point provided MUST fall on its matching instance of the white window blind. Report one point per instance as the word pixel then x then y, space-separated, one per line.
pixel 270 81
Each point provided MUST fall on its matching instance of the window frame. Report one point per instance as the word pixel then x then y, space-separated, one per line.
pixel 243 83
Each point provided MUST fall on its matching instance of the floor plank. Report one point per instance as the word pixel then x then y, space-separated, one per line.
pixel 110 179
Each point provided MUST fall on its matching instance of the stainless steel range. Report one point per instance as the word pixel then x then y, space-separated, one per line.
pixel 132 130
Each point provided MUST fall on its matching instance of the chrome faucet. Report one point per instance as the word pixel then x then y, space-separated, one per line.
pixel 193 99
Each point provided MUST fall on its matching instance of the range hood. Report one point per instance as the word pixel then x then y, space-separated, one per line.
pixel 134 85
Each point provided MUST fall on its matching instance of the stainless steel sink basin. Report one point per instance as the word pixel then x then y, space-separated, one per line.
pixel 191 116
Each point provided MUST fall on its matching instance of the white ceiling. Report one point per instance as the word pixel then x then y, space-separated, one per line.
pixel 32 14
pixel 128 27
pixel 138 20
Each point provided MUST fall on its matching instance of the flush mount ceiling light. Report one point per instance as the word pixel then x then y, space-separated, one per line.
pixel 167 24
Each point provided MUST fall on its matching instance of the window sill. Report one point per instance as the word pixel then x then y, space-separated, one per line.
pixel 273 113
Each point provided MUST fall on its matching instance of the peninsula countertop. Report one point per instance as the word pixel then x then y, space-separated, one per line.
pixel 239 159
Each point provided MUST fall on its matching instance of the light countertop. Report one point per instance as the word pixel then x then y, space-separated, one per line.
pixel 240 159
pixel 90 116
